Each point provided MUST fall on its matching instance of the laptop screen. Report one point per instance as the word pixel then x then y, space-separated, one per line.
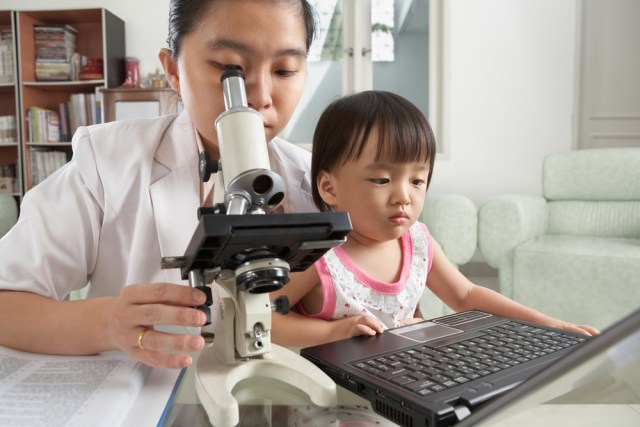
pixel 598 384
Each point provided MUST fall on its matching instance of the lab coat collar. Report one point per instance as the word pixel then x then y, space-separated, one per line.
pixel 175 192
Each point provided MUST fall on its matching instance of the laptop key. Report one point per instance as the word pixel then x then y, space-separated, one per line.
pixel 402 380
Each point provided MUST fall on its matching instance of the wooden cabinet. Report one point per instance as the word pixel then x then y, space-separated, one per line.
pixel 10 163
pixel 99 34
pixel 130 103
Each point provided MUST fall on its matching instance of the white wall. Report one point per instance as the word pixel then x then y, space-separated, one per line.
pixel 509 91
pixel 509 84
pixel 145 23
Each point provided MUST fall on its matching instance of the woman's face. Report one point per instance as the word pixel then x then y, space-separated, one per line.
pixel 267 40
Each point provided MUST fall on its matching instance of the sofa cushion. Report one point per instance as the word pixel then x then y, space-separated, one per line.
pixel 589 218
pixel 563 276
pixel 596 174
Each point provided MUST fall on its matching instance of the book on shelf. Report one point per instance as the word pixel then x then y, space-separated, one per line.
pixel 7 64
pixel 44 162
pixel 65 130
pixel 8 130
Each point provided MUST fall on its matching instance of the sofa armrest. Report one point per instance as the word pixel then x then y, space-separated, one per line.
pixel 452 219
pixel 8 213
pixel 505 222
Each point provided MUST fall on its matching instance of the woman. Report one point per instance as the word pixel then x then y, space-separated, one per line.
pixel 129 195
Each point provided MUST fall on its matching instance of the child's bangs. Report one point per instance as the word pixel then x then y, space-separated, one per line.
pixel 402 141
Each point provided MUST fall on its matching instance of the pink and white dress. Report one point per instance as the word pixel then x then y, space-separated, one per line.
pixel 348 291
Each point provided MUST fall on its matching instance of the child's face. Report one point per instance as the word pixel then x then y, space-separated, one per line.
pixel 383 199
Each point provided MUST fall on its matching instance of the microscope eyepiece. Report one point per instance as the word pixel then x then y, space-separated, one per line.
pixel 231 71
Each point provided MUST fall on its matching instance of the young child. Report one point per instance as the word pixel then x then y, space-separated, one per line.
pixel 373 156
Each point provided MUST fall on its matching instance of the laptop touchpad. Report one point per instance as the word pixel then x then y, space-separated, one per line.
pixel 424 331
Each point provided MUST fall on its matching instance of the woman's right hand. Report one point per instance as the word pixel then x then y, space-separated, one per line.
pixel 133 314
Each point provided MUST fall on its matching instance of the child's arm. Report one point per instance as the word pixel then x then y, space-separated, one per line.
pixel 297 330
pixel 461 294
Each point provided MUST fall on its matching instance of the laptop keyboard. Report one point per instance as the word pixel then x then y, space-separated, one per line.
pixel 425 370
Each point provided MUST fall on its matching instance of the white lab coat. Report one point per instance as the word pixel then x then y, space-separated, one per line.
pixel 128 197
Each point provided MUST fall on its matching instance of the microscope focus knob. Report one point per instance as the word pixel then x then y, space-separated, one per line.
pixel 206 166
pixel 281 304
pixel 205 308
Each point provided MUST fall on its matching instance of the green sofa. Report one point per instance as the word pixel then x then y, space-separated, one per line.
pixel 452 220
pixel 574 252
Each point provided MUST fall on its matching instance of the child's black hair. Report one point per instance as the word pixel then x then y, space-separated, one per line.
pixel 402 131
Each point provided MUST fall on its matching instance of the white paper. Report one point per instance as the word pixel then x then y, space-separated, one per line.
pixel 69 391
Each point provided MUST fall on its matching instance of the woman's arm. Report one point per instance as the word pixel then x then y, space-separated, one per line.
pixel 42 325
pixel 461 294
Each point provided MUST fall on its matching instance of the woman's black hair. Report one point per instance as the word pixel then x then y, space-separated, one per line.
pixel 401 130
pixel 184 15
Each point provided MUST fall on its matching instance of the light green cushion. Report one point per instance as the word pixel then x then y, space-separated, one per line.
pixel 588 218
pixel 452 220
pixel 597 174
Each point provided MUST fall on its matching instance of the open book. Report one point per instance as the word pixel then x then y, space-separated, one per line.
pixel 103 390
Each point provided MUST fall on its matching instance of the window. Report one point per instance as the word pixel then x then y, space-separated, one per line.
pixel 393 54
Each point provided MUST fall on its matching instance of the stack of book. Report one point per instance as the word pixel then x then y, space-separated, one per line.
pixel 55 46
pixel 7 64
pixel 8 131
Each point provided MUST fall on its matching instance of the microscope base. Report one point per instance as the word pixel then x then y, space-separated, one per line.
pixel 279 377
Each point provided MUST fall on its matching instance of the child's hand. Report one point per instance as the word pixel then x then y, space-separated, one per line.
pixel 356 325
pixel 410 321
pixel 578 329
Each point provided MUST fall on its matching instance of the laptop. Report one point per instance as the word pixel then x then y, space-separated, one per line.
pixel 597 384
pixel 438 372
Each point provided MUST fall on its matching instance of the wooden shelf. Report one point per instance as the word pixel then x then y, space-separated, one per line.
pixel 167 99
pixel 72 85
pixel 10 153
pixel 100 35
pixel 49 144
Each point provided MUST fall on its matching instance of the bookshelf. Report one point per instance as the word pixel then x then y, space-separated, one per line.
pixel 10 164
pixel 99 34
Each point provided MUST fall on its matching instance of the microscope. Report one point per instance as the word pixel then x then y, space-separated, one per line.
pixel 245 249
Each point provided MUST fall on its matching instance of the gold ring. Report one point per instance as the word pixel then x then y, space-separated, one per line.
pixel 140 335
